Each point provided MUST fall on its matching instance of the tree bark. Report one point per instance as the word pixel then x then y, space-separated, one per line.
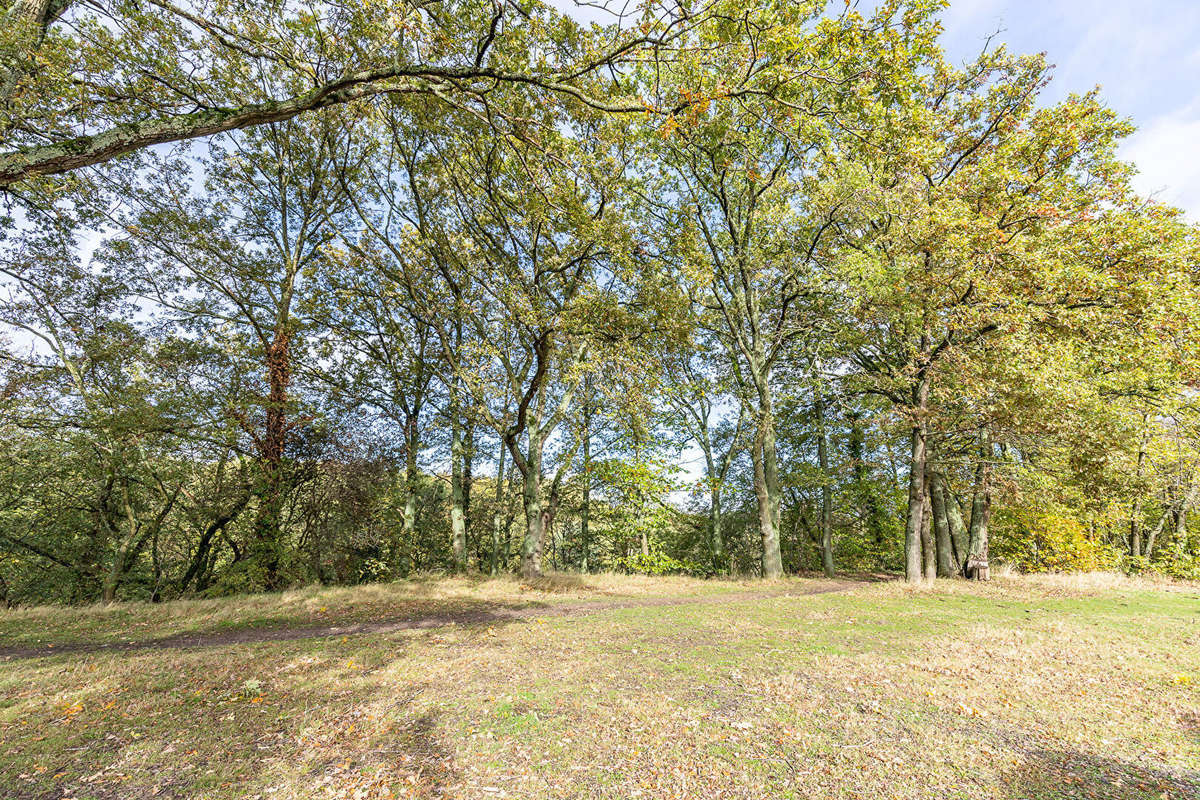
pixel 928 547
pixel 585 510
pixel 1135 513
pixel 531 547
pixel 981 507
pixel 826 486
pixel 458 527
pixel 916 485
pixel 267 531
pixel 498 511
pixel 948 562
pixel 409 523
pixel 766 489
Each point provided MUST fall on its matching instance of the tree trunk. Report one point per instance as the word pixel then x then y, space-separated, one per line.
pixel 946 557
pixel 409 524
pixel 981 510
pixel 531 547
pixel 716 524
pixel 1135 513
pixel 916 505
pixel 267 531
pixel 458 528
pixel 826 487
pixel 766 489
pixel 498 511
pixel 585 510
pixel 928 548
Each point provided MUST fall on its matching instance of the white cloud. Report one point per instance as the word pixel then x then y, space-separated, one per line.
pixel 1167 154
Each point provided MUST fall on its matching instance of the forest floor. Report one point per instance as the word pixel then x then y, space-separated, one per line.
pixel 613 687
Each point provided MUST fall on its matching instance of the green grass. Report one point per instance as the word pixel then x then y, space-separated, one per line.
pixel 1023 688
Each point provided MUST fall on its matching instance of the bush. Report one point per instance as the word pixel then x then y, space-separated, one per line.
pixel 659 564
pixel 1052 542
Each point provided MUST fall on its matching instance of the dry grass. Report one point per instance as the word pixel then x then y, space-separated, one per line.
pixel 320 605
pixel 1020 688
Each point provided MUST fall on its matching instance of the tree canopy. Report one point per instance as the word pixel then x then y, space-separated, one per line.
pixel 345 292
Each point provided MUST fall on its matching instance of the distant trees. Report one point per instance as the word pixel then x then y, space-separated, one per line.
pixel 885 313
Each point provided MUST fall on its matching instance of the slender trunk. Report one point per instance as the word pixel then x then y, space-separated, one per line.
pixel 468 471
pixel 585 511
pixel 716 521
pixel 458 529
pixel 826 486
pixel 549 514
pixel 716 533
pixel 1135 513
pixel 409 524
pixel 498 511
pixel 1179 511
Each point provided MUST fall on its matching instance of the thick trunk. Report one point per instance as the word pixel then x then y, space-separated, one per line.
pixel 958 528
pixel 267 532
pixel 928 547
pixel 981 511
pixel 766 489
pixel 531 547
pixel 916 483
pixel 947 558
pixel 916 505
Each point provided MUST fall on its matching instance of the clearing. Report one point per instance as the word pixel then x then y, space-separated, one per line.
pixel 613 687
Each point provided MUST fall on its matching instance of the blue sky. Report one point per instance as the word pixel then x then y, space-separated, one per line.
pixel 1144 54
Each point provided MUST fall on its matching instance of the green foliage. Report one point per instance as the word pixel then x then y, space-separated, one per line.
pixel 1051 542
pixel 658 563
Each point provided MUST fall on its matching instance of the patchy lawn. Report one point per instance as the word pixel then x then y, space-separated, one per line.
pixel 613 688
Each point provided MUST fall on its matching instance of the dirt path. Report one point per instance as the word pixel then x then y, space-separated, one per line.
pixel 478 615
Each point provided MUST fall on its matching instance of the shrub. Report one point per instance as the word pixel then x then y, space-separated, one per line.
pixel 1052 542
pixel 659 564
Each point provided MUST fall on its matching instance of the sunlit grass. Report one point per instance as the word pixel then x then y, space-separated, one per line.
pixel 1042 688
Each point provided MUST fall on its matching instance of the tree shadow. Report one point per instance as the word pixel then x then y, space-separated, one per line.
pixel 1046 773
pixel 416 757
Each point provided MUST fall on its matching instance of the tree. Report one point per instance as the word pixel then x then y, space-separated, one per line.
pixel 82 83
pixel 234 262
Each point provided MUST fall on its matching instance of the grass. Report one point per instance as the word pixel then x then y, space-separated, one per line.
pixel 1023 688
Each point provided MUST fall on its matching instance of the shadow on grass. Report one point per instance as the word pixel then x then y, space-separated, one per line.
pixel 471 613
pixel 474 613
pixel 1051 774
